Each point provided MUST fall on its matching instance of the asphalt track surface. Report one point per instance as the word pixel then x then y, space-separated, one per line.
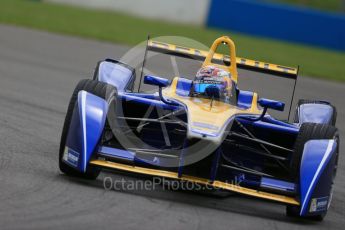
pixel 38 72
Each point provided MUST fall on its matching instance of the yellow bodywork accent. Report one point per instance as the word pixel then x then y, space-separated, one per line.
pixel 220 57
pixel 232 51
pixel 254 107
pixel 206 115
pixel 172 87
pixel 202 181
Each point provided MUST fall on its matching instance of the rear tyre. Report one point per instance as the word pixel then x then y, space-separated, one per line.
pixel 306 101
pixel 99 89
pixel 309 131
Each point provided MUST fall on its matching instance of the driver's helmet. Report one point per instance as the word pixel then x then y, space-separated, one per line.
pixel 212 82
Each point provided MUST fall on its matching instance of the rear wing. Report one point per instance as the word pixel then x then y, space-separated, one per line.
pixel 242 63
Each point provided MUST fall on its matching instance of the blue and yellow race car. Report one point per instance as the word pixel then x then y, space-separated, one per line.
pixel 204 130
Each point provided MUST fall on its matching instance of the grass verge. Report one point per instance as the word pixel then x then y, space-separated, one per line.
pixel 120 28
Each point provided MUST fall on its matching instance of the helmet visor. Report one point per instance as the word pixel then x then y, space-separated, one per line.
pixel 200 88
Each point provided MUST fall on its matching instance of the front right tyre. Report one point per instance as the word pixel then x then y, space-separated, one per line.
pixel 99 89
pixel 311 131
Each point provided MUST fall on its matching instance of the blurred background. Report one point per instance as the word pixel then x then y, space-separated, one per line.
pixel 305 33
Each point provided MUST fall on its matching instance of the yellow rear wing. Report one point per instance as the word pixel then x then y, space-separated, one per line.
pixel 242 63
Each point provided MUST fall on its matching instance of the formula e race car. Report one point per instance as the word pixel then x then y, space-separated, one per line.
pixel 204 130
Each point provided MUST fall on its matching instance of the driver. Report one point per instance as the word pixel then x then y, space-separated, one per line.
pixel 214 83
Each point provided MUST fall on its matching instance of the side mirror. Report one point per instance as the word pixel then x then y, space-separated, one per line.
pixel 158 81
pixel 271 104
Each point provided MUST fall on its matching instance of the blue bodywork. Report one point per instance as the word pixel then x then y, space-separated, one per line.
pixel 89 119
pixel 315 163
pixel 271 104
pixel 270 183
pixel 158 81
pixel 245 99
pixel 183 87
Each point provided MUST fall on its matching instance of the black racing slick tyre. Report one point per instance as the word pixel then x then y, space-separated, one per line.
pixel 309 131
pixel 305 101
pixel 99 89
